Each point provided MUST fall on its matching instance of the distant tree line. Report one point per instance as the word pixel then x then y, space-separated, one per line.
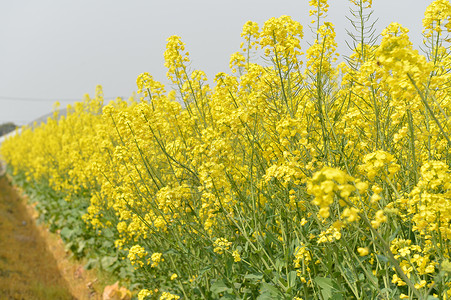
pixel 7 128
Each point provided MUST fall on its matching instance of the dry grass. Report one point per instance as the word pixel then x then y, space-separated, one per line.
pixel 33 262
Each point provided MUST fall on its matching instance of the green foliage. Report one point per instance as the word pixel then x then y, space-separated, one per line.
pixel 7 128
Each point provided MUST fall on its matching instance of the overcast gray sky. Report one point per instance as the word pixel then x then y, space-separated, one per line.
pixel 59 50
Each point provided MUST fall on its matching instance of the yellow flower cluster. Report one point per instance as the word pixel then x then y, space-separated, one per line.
pixel 428 205
pixel 220 245
pixel 156 259
pixel 149 86
pixel 322 53
pixel 282 37
pixel 319 7
pixel 168 296
pixel 143 294
pixel 379 163
pixel 325 184
pixel 363 251
pixel 236 256
pixel 302 258
pixel 435 16
pixel 330 235
pixel 250 34
pixel 135 254
pixel 414 261
pixel 175 59
pixel 368 3
pixel 379 218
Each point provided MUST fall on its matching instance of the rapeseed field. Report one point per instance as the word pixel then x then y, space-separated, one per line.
pixel 300 175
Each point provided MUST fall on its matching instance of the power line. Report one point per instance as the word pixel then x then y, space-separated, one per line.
pixel 14 121
pixel 17 123
pixel 48 100
pixel 37 99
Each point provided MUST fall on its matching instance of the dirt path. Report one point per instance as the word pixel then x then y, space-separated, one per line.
pixel 33 262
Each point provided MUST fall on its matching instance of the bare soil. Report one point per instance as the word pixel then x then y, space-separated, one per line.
pixel 33 261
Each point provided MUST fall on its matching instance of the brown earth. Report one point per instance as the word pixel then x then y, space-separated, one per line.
pixel 33 261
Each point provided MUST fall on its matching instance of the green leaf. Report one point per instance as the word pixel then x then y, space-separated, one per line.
pixel 292 279
pixel 205 269
pixel 253 277
pixel 228 296
pixel 66 233
pixel 268 292
pixel 382 258
pixel 219 287
pixel 107 244
pixel 81 246
pixel 280 263
pixel 329 288
pixel 91 264
pixel 350 275
pixel 108 261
